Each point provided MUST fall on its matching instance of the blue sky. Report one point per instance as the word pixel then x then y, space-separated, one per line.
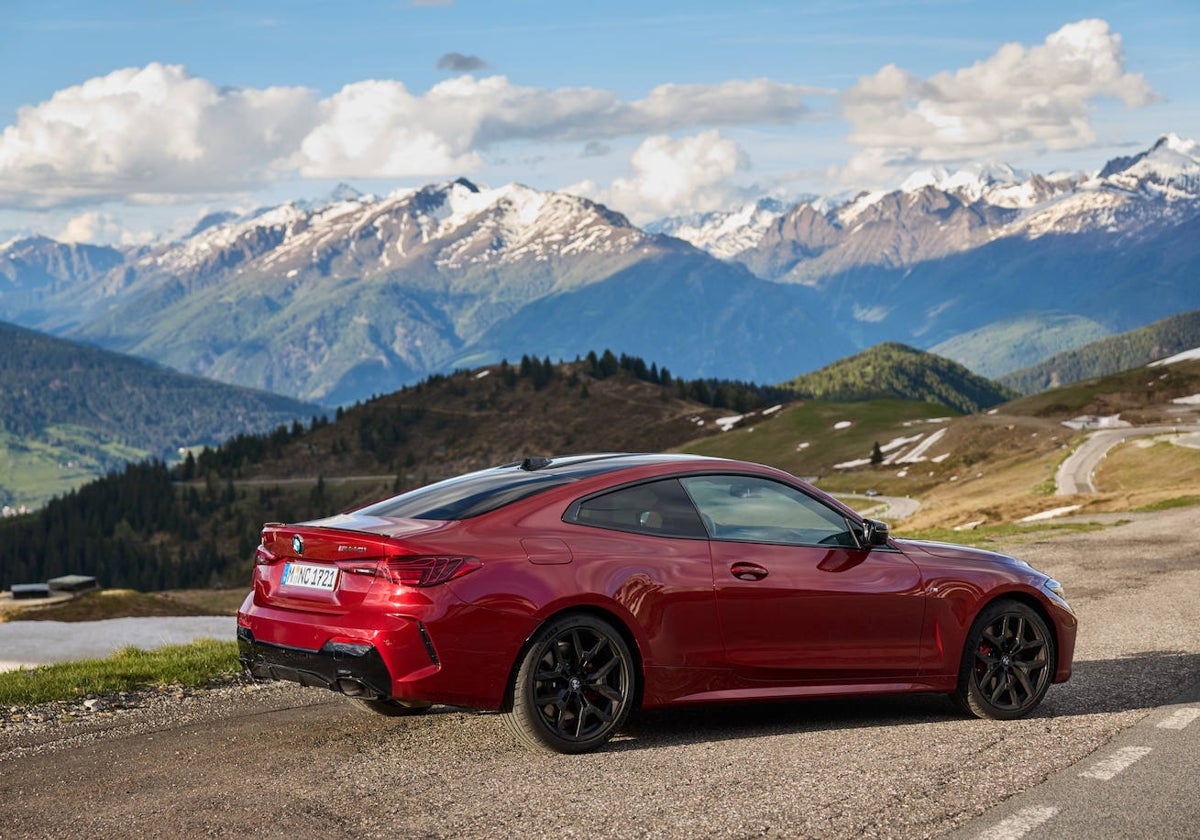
pixel 123 120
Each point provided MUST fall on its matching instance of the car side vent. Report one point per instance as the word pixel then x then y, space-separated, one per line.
pixel 535 463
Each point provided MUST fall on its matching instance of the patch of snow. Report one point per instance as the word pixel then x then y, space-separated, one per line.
pixel 918 452
pixel 1185 356
pixel 896 443
pixel 1050 514
pixel 842 424
pixel 969 526
pixel 769 411
pixel 940 458
pixel 727 423
pixel 902 474
pixel 849 213
pixel 482 374
pixel 800 447
pixel 849 465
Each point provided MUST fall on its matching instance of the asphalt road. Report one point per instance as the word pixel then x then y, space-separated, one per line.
pixel 1075 473
pixel 285 761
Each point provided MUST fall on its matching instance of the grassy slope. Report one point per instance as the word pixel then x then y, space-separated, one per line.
pixel 777 440
pixel 129 669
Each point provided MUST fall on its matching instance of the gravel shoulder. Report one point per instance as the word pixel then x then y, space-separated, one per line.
pixel 277 760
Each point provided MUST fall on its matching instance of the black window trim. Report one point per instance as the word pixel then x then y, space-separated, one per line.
pixel 571 514
pixel 855 521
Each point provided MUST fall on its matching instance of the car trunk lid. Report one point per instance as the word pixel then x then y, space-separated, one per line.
pixel 330 565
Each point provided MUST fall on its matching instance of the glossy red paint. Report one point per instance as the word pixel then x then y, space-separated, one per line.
pixel 705 617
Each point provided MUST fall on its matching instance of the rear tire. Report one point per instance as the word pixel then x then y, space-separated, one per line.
pixel 390 708
pixel 575 686
pixel 1007 662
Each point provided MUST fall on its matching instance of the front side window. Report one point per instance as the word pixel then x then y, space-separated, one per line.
pixel 751 509
pixel 660 508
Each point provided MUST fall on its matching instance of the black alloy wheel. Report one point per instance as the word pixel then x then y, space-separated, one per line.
pixel 1007 664
pixel 574 687
pixel 390 708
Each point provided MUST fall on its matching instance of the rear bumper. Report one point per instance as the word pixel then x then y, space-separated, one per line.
pixel 352 669
pixel 460 656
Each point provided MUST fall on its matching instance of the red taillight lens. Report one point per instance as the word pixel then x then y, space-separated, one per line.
pixel 262 557
pixel 425 571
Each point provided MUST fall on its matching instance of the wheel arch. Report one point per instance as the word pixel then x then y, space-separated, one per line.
pixel 1033 602
pixel 595 611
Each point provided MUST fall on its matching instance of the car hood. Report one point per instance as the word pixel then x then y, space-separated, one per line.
pixel 951 551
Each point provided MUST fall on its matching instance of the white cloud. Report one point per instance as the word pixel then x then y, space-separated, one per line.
pixel 379 128
pixel 1018 101
pixel 159 134
pixel 675 177
pixel 96 228
pixel 145 132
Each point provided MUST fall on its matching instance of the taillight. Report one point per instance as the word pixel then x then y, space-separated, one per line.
pixel 425 571
pixel 263 557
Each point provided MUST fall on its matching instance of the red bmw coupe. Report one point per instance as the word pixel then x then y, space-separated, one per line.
pixel 565 592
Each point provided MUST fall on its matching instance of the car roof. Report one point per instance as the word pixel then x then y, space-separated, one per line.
pixel 581 466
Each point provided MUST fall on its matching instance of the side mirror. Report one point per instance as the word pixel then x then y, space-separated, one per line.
pixel 875 532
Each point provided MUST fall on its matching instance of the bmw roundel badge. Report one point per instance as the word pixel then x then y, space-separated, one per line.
pixel 298 544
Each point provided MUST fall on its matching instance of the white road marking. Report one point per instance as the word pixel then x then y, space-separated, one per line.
pixel 1179 719
pixel 1106 769
pixel 1019 824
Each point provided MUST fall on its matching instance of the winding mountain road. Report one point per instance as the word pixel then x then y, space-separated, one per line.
pixel 1075 474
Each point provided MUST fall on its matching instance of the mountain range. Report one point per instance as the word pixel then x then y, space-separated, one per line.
pixel 359 295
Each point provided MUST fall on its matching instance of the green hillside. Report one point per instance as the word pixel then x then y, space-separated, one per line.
pixel 1110 355
pixel 898 372
pixel 71 412
pixel 1013 343
pixel 807 439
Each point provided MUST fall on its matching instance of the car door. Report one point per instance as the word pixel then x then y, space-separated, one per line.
pixel 797 598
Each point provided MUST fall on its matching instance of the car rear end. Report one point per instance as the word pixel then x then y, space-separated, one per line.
pixel 357 611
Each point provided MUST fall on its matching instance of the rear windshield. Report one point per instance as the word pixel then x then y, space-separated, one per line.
pixel 467 495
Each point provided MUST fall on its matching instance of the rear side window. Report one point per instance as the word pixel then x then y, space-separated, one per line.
pixel 660 509
pixel 467 495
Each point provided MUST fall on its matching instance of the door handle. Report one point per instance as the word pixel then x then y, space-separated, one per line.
pixel 747 571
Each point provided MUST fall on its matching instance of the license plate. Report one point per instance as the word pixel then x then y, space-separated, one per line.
pixel 309 576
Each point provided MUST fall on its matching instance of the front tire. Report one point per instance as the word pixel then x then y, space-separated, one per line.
pixel 1007 663
pixel 575 686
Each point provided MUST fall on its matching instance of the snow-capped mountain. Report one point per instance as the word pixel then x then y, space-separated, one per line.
pixel 937 212
pixel 361 295
pixel 724 234
pixel 358 294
